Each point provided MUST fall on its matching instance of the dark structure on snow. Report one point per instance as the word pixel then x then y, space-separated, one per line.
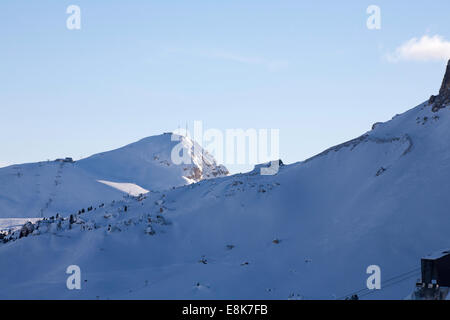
pixel 436 268
pixel 435 284
pixel 65 160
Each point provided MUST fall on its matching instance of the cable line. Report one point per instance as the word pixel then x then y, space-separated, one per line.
pixel 386 283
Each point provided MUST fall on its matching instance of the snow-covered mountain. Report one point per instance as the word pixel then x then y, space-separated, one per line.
pixel 309 231
pixel 46 188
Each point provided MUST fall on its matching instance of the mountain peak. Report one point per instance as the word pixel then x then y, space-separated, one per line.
pixel 445 88
pixel 149 163
pixel 443 99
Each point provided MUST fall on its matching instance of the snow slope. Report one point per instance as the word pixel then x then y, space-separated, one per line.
pixel 47 188
pixel 332 216
pixel 14 223
pixel 308 232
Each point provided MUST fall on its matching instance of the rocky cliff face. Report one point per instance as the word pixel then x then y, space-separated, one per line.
pixel 445 89
pixel 443 99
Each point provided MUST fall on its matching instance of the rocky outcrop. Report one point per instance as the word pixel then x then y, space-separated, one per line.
pixel 26 229
pixel 443 99
pixel 445 89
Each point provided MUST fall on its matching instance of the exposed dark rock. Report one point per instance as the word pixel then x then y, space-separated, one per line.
pixel 443 99
pixel 380 171
pixel 27 229
pixel 376 124
pixel 445 88
pixel 196 174
pixel 432 99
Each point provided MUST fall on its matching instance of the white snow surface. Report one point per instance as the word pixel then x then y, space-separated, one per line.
pixel 128 188
pixel 46 188
pixel 308 232
pixel 15 223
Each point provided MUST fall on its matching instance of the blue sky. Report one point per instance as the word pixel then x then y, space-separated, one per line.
pixel 311 69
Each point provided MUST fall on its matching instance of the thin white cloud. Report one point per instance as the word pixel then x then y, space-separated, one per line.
pixel 434 48
pixel 271 65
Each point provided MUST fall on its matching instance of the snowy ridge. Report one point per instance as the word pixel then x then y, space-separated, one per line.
pixel 308 232
pixel 46 188
pixel 289 236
